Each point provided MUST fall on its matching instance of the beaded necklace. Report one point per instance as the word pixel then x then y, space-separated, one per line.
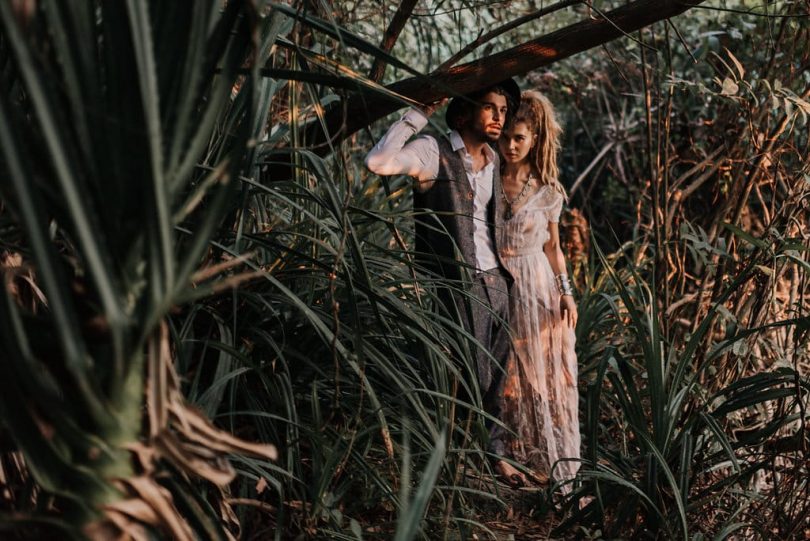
pixel 509 214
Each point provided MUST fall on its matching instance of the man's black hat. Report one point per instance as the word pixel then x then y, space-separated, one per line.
pixel 455 108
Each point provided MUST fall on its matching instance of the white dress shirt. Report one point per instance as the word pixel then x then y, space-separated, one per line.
pixel 420 159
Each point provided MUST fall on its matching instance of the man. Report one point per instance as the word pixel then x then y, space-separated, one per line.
pixel 458 184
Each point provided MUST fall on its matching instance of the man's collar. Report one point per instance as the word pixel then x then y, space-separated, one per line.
pixel 458 143
pixel 455 140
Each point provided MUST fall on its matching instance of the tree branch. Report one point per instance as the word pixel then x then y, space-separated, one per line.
pixel 489 36
pixel 391 35
pixel 349 116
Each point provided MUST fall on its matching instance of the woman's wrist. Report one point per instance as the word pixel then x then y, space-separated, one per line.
pixel 564 285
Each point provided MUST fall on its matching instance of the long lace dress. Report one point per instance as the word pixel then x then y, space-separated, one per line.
pixel 539 400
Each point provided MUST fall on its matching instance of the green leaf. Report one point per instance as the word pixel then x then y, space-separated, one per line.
pixel 409 524
pixel 750 239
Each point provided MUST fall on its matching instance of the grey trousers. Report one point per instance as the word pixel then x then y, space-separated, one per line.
pixel 484 312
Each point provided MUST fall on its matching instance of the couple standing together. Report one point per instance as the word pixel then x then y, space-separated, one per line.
pixel 495 219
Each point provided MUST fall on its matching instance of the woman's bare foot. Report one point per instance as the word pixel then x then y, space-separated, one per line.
pixel 510 474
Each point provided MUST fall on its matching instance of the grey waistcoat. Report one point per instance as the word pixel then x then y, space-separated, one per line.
pixel 445 234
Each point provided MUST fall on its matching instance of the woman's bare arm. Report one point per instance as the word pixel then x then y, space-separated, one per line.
pixel 556 259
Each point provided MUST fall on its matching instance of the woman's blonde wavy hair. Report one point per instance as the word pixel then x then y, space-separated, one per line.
pixel 538 114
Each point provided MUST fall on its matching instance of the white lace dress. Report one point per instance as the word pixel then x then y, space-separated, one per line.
pixel 539 399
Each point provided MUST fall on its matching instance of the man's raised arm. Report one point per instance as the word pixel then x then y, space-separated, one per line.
pixel 392 156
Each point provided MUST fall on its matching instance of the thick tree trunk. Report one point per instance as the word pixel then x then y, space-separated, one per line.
pixel 358 111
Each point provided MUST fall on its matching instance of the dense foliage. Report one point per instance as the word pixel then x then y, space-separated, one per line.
pixel 175 251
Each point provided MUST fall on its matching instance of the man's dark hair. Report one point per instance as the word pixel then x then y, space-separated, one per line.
pixel 461 107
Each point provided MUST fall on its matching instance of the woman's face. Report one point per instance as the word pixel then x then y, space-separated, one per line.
pixel 516 142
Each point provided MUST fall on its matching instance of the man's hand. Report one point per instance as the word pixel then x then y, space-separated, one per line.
pixel 568 311
pixel 430 108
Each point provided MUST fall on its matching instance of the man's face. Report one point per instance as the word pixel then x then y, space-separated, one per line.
pixel 489 117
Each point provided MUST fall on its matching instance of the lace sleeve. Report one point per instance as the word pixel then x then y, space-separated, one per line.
pixel 555 209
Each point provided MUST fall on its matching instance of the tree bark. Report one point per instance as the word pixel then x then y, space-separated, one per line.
pixel 391 34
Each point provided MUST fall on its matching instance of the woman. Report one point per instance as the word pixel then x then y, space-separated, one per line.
pixel 539 397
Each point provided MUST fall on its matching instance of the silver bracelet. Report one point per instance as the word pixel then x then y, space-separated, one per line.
pixel 563 285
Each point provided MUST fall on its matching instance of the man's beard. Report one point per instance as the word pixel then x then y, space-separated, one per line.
pixel 481 134
pixel 485 136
